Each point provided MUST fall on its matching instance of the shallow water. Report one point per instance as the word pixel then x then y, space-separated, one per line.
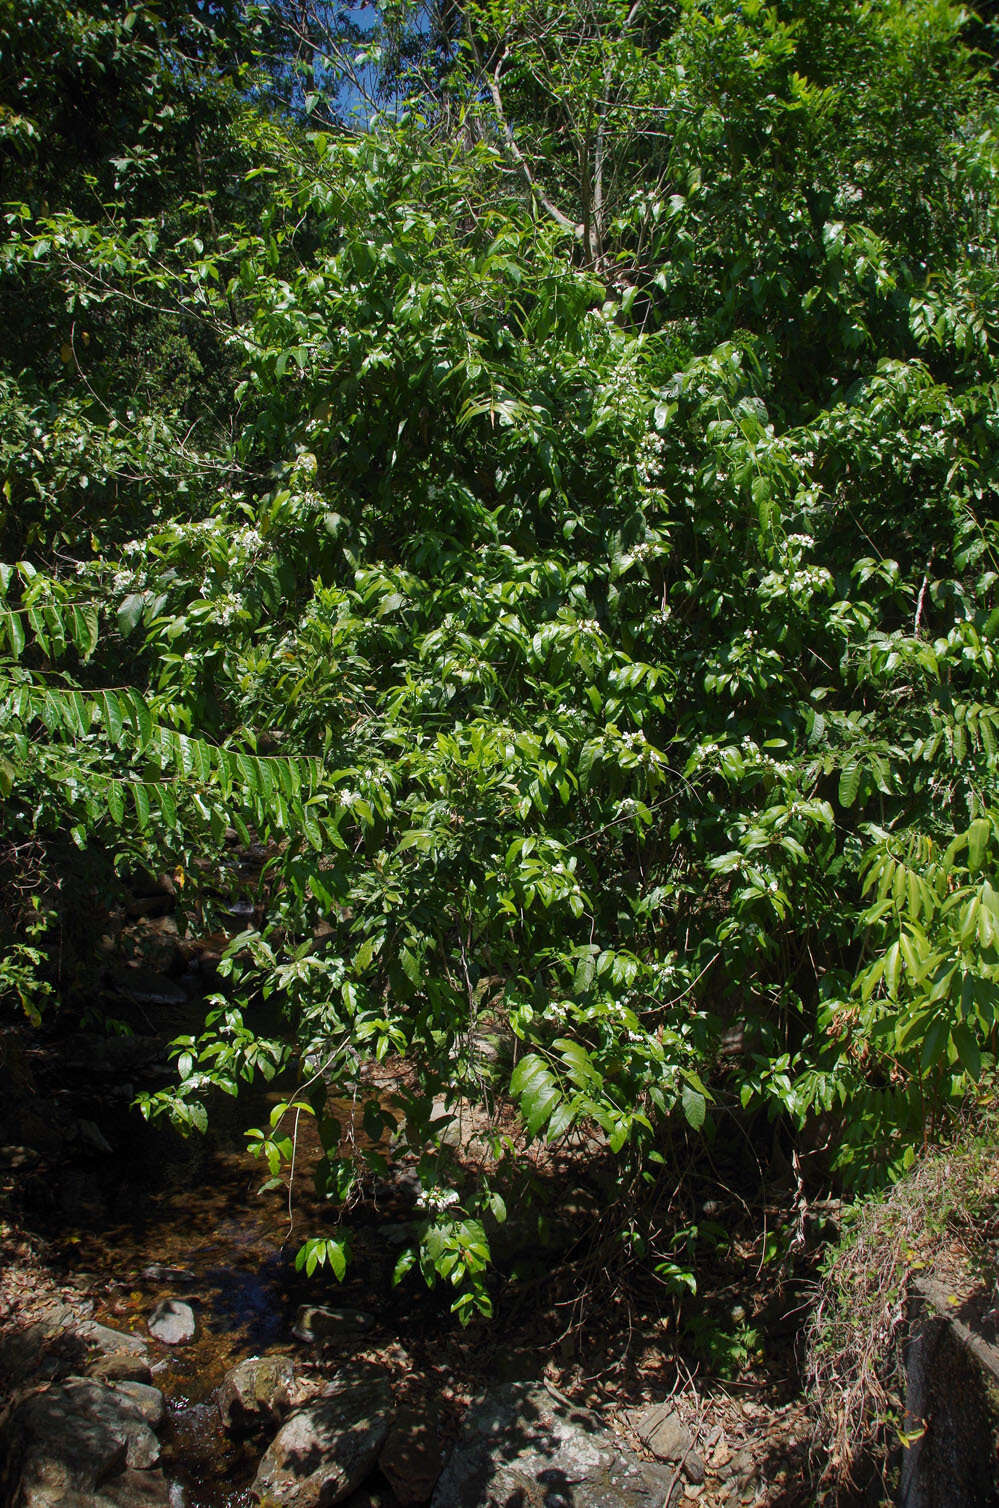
pixel 198 1230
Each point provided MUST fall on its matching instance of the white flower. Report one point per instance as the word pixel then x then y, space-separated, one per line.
pixel 437 1200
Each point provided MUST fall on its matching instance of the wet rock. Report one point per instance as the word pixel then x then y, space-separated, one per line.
pixel 121 1366
pixel 663 1431
pixel 256 1392
pixel 103 1338
pixel 112 1059
pixel 147 988
pixel 173 1322
pixel 142 883
pixel 405 1181
pixel 163 1272
pixel 121 1414
pixel 460 1125
pixel 318 1324
pixel 522 1446
pixel 80 1198
pixel 147 1401
pixel 241 910
pixel 410 1459
pixel 322 1453
pixel 62 1330
pixel 93 1137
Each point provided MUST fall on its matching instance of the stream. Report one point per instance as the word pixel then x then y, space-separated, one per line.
pixel 172 1218
pixel 131 1214
pixel 127 1214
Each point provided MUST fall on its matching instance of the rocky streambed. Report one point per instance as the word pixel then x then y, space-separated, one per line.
pixel 279 1430
pixel 158 1347
pixel 220 1381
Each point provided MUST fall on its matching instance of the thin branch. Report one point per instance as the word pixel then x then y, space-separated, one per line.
pixel 492 82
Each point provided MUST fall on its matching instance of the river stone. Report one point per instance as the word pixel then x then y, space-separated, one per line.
pixel 173 1322
pixel 315 1323
pixel 145 1400
pixel 122 1413
pixel 103 1338
pixel 521 1446
pixel 323 1452
pixel 79 1438
pixel 121 1366
pixel 128 1489
pixel 256 1392
pixel 165 1272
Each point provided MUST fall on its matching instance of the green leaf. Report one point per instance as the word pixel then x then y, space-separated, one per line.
pixel 405 1263
pixel 530 1068
pixel 849 783
pixel 694 1107
pixel 112 716
pixel 130 613
pixel 979 834
pixel 116 801
pixel 140 797
pixel 537 1103
pixel 967 1049
pixel 14 630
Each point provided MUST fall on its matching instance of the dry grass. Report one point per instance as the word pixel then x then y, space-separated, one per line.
pixel 946 1207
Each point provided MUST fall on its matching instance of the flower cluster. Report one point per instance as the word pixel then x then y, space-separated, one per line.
pixel 247 539
pixel 649 462
pixel 801 584
pixel 436 1201
pixel 227 608
pixel 761 759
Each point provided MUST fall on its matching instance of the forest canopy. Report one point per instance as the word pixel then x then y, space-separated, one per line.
pixel 528 471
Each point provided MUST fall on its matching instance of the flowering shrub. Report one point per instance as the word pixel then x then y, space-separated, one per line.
pixel 609 666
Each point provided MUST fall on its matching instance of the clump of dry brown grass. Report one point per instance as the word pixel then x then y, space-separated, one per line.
pixel 945 1208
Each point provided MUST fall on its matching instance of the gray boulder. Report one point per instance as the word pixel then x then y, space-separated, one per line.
pixel 123 1409
pixel 173 1322
pixel 256 1392
pixel 86 1444
pixel 121 1366
pixel 144 1400
pixel 322 1453
pixel 521 1446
